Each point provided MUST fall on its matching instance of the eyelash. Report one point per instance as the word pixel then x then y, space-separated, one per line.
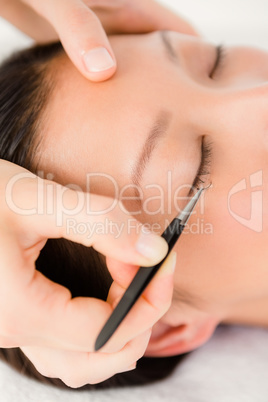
pixel 220 58
pixel 204 168
pixel 206 147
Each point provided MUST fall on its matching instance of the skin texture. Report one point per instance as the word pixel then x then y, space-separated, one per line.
pixel 83 25
pixel 101 128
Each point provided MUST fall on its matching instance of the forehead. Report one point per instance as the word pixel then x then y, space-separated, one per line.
pixel 84 119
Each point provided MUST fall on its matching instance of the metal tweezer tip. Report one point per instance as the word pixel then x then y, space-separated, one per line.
pixel 186 213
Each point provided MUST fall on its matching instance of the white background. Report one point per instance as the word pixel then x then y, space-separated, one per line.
pixel 230 21
pixel 227 21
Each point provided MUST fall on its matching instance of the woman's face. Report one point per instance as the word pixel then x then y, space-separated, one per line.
pixel 144 133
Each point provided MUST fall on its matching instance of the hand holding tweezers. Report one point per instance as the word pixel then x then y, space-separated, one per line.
pixel 145 275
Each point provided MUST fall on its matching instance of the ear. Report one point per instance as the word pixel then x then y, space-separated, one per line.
pixel 167 340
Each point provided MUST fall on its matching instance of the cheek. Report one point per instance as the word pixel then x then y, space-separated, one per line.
pixel 227 264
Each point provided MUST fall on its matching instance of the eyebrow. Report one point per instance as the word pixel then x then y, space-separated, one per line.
pixel 157 132
pixel 165 37
pixel 160 125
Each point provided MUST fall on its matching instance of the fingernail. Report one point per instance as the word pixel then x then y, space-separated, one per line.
pixel 172 262
pixel 169 264
pixel 98 59
pixel 151 246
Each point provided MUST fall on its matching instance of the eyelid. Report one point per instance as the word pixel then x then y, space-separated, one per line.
pixel 219 61
pixel 204 166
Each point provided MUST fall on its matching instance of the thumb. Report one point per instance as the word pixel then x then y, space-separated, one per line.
pixel 82 36
pixel 37 209
pixel 43 209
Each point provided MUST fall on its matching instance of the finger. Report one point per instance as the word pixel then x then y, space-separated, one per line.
pixel 162 17
pixel 36 311
pixel 142 17
pixel 76 369
pixel 44 314
pixel 47 308
pixel 26 19
pixel 45 209
pixel 150 307
pixel 123 274
pixel 47 316
pixel 82 36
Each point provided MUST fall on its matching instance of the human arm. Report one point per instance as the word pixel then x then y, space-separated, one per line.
pixel 83 25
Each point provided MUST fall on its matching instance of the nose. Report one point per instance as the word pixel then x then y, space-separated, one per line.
pixel 237 116
pixel 245 66
pixel 195 56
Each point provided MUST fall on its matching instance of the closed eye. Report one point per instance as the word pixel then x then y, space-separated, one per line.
pixel 203 172
pixel 219 61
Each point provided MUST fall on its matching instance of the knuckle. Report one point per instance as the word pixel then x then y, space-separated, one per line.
pixel 41 365
pixel 166 306
pixel 79 16
pixel 72 382
pixel 42 360
pixel 77 380
pixel 162 296
pixel 117 211
pixel 44 370
pixel 68 377
pixel 101 205
pixel 138 352
pixel 6 342
pixel 74 378
pixel 138 346
pixel 9 328
pixel 162 310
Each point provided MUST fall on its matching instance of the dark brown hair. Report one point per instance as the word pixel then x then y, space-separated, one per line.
pixel 25 86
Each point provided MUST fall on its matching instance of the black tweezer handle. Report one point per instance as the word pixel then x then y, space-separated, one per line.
pixel 137 286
